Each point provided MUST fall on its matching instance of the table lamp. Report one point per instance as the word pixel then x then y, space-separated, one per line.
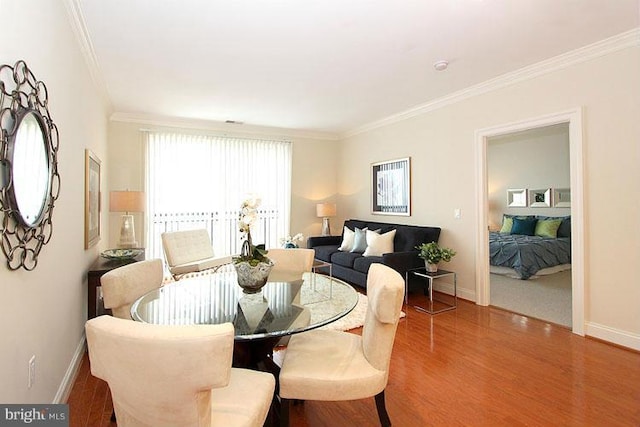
pixel 127 201
pixel 324 211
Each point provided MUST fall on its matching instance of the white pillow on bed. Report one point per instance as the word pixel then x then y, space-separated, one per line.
pixel 347 240
pixel 378 244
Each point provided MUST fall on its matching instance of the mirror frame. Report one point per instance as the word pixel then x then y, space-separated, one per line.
pixel 21 94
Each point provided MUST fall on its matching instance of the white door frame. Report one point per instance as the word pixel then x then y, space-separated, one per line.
pixel 576 165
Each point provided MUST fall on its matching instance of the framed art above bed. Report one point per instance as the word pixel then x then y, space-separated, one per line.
pixel 517 197
pixel 540 198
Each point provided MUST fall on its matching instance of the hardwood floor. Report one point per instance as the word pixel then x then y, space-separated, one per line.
pixel 474 366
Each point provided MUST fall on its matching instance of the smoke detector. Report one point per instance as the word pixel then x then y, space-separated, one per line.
pixel 441 65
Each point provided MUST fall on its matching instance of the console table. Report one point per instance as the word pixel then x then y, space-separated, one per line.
pixel 430 277
pixel 97 269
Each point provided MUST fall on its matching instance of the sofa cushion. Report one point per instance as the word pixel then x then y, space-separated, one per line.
pixel 344 259
pixel 362 264
pixel 324 252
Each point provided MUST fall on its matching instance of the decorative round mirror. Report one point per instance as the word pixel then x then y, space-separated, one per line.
pixel 29 179
pixel 29 157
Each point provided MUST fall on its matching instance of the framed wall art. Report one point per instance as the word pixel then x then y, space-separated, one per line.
pixel 540 198
pixel 91 199
pixel 391 187
pixel 517 197
pixel 561 197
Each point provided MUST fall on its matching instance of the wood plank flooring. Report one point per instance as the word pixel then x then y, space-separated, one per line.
pixel 474 366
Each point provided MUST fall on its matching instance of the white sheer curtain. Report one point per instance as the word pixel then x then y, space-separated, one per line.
pixel 199 181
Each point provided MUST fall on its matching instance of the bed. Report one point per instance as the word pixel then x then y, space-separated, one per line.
pixel 529 255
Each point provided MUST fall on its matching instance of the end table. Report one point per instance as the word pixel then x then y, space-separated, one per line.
pixel 430 277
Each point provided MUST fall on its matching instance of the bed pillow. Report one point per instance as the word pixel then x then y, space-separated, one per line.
pixel 525 227
pixel 507 224
pixel 547 228
pixel 565 227
pixel 359 240
pixel 378 244
pixel 507 221
pixel 347 240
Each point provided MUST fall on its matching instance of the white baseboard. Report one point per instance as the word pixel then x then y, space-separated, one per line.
pixel 615 336
pixel 70 376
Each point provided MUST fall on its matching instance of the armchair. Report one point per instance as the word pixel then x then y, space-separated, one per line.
pixel 190 251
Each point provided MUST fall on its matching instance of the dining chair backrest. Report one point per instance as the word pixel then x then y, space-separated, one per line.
pixel 385 291
pixel 293 261
pixel 123 285
pixel 160 375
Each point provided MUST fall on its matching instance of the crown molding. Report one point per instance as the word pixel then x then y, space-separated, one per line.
pixel 604 47
pixel 223 128
pixel 79 27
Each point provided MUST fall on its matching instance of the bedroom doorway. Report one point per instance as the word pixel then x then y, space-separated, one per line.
pixel 519 166
pixel 573 119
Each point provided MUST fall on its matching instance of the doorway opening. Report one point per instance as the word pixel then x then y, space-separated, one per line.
pixel 573 118
pixel 530 270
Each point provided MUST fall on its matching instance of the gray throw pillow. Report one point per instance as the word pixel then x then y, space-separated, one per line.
pixel 359 240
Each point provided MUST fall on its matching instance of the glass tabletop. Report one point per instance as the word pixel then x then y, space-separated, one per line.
pixel 282 308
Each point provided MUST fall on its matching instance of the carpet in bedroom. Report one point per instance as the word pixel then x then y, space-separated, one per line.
pixel 545 297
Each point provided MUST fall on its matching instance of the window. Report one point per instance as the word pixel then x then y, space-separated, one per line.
pixel 199 181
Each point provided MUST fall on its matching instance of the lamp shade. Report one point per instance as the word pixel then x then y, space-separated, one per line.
pixel 126 201
pixel 325 210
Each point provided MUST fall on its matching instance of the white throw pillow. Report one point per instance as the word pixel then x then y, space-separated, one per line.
pixel 378 244
pixel 347 240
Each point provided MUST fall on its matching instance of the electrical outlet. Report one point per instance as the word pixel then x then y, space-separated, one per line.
pixel 456 213
pixel 32 370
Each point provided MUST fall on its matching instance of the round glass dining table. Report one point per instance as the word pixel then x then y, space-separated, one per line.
pixel 285 306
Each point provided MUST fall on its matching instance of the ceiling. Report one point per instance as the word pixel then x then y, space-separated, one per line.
pixel 324 65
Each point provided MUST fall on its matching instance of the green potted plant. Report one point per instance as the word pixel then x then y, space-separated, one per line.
pixel 432 254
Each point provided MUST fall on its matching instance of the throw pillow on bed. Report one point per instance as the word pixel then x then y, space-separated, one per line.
pixel 347 240
pixel 507 224
pixel 547 227
pixel 526 227
pixel 378 244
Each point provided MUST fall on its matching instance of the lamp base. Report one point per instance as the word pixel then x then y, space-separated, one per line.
pixel 127 233
pixel 326 227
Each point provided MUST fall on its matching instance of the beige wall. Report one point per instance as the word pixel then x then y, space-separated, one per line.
pixel 441 144
pixel 535 159
pixel 42 312
pixel 313 172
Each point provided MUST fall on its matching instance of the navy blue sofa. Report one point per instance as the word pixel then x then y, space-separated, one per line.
pixel 353 267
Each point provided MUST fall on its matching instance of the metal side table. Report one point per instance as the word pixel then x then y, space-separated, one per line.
pixel 430 278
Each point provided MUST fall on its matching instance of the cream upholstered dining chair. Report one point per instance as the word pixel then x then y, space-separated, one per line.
pixel 176 375
pixel 190 251
pixel 123 285
pixel 334 365
pixel 290 263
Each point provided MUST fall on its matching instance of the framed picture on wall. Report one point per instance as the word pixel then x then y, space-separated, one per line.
pixel 561 197
pixel 91 199
pixel 517 197
pixel 391 187
pixel 540 198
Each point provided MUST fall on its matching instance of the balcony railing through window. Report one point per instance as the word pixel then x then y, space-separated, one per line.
pixel 221 225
